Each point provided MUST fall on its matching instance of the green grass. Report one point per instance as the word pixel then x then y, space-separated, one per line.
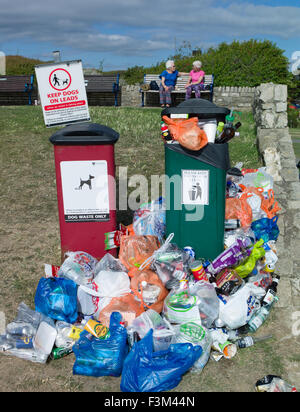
pixel 295 133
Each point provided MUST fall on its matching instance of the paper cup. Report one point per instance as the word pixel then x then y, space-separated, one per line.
pixel 210 130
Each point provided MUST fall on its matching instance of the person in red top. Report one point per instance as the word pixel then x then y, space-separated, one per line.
pixel 196 81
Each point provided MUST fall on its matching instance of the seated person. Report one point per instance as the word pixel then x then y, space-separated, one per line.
pixel 196 81
pixel 168 82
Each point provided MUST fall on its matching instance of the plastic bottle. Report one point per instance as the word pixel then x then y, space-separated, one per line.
pixel 271 292
pixel 21 329
pixel 229 133
pixel 248 341
pixel 260 316
pixel 220 129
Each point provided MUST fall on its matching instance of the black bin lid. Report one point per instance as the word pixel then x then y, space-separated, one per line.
pixel 200 107
pixel 85 134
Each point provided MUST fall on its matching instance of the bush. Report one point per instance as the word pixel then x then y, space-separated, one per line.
pixel 18 65
pixel 293 118
pixel 247 63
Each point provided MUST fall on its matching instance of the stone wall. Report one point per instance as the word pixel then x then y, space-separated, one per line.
pixel 276 149
pixel 240 98
pixel 130 95
pixel 270 106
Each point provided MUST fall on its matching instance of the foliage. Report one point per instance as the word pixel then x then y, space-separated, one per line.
pixel 294 89
pixel 19 65
pixel 293 118
pixel 247 63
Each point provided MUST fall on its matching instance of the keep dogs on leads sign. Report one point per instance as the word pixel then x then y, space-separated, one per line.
pixel 62 93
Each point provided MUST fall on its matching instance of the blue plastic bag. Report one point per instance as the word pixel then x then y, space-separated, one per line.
pixel 266 229
pixel 148 371
pixel 57 298
pixel 102 357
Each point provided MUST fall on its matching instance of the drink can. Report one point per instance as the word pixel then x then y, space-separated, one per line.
pixel 97 329
pixel 58 353
pixel 189 250
pixel 198 271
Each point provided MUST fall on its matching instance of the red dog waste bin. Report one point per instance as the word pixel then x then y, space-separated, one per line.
pixel 86 193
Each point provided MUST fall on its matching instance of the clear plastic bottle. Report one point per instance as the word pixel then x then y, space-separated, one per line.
pixel 260 316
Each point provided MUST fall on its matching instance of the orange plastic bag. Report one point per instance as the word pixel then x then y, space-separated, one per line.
pixel 238 208
pixel 135 249
pixel 187 132
pixel 151 278
pixel 269 206
pixel 127 305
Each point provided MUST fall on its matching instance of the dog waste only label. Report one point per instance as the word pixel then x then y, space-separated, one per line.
pixel 62 93
pixel 85 191
pixel 195 187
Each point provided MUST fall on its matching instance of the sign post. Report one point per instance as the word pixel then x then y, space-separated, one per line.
pixel 62 93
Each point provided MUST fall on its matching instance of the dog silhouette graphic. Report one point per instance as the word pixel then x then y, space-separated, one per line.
pixel 87 182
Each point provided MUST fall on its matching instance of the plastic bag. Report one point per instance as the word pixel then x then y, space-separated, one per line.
pixel 57 299
pixel 148 289
pixel 181 306
pixel 126 305
pixel 134 250
pixel 105 286
pixel 245 234
pixel 258 179
pixel 148 371
pixel 109 263
pixel 196 334
pixel 162 330
pixel 67 334
pixel 207 302
pixel 20 335
pixel 101 357
pixel 262 204
pixel 266 229
pixel 79 267
pixel 171 262
pixel 246 267
pixel 187 132
pixel 232 256
pixel 150 219
pixel 236 311
pixel 238 208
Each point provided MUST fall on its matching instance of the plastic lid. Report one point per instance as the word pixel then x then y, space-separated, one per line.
pixel 85 134
pixel 199 107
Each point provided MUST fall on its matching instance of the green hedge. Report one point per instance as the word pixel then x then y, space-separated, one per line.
pixel 247 63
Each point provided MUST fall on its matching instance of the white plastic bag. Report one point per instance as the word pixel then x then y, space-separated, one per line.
pixel 79 267
pixel 105 286
pixel 236 310
pixel 196 334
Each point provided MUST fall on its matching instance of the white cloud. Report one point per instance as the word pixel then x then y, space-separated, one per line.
pixel 141 27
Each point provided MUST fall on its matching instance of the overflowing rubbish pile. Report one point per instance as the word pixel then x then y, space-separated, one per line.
pixel 158 311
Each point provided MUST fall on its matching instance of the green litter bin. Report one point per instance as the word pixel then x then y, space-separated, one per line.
pixel 196 187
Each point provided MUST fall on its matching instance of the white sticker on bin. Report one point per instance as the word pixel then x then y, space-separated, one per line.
pixel 195 187
pixel 85 190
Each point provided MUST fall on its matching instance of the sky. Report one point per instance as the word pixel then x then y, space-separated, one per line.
pixel 117 34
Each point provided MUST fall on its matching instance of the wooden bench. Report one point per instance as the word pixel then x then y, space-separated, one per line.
pixel 107 85
pixel 17 90
pixel 179 88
